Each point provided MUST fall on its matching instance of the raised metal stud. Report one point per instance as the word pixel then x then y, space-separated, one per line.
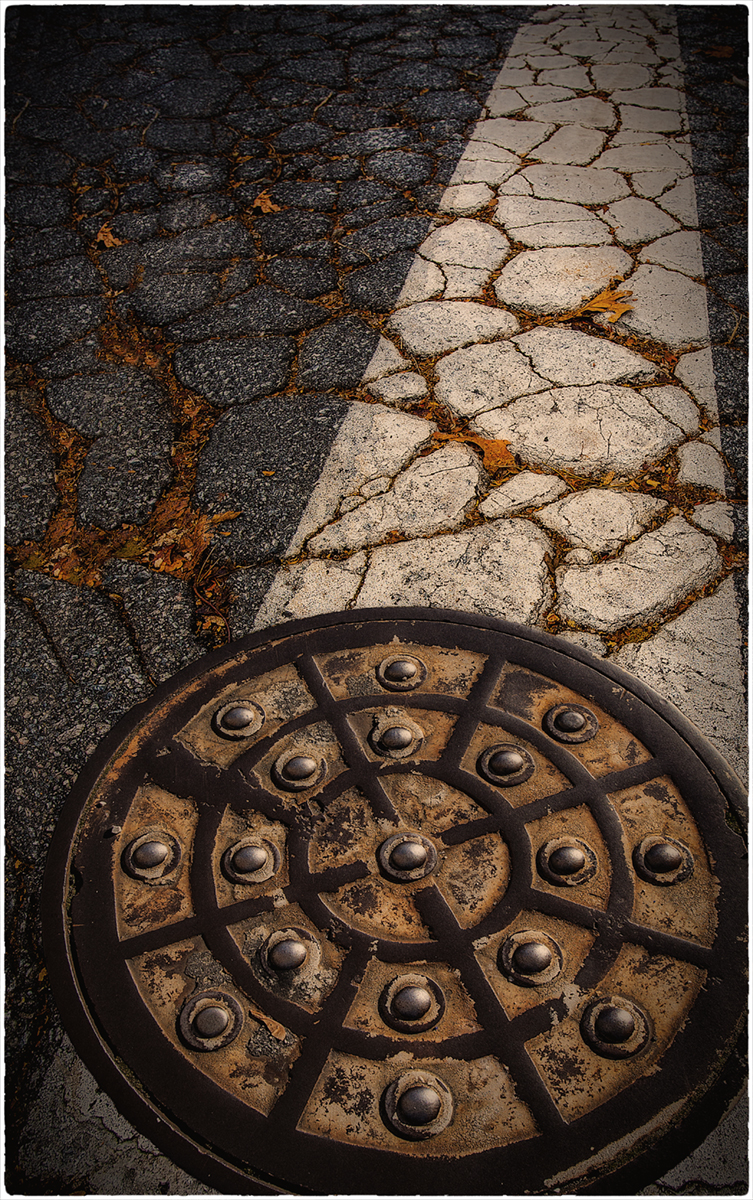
pixel 395 737
pixel 295 771
pixel 239 719
pixel 566 861
pixel 288 955
pixel 252 860
pixel 615 1027
pixel 412 1003
pixel 150 854
pixel 506 764
pixel 418 1105
pixel 662 857
pixel 407 856
pixel 152 857
pixel 530 958
pixel 210 1020
pixel 300 767
pixel 287 952
pixel 401 673
pixel 571 723
pixel 662 860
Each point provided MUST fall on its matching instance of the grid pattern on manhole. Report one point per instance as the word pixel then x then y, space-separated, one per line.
pixel 404 887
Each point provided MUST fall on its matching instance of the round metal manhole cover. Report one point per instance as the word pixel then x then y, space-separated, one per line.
pixel 401 902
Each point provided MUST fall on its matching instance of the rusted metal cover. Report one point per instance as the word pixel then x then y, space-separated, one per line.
pixel 402 902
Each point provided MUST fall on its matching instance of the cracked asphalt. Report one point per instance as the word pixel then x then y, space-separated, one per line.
pixel 314 308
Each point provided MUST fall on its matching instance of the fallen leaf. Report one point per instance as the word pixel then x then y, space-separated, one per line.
pixel 717 52
pixel 107 237
pixel 265 202
pixel 275 1028
pixel 225 516
pixel 611 301
pixel 494 452
pixel 269 472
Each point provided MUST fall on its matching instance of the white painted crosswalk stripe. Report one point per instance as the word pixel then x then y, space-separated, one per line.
pixel 558 198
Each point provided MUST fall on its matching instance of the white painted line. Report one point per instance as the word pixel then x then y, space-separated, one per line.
pixel 556 196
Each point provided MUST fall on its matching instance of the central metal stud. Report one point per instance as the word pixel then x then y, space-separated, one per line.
pixel 211 1021
pixel 239 719
pixel 506 764
pixel 663 861
pixel 614 1024
pixel 411 1003
pixel 300 767
pixel 402 673
pixel 150 854
pixel 531 958
pixel 396 737
pixel 419 1105
pixel 295 771
pixel 249 859
pixel 287 955
pixel 153 857
pixel 615 1027
pixel 662 857
pixel 407 856
pixel 570 721
pixel 252 860
pixel 567 860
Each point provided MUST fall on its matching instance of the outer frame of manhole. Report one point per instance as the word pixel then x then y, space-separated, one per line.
pixel 618 1147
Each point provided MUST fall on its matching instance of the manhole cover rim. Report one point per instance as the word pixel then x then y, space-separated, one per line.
pixel 217 1168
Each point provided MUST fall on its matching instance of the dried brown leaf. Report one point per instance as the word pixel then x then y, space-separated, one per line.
pixel 611 301
pixel 494 452
pixel 107 237
pixel 265 202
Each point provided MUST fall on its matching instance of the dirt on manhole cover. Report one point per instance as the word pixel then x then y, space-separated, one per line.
pixel 403 902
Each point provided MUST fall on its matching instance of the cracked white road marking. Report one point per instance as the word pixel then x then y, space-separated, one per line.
pixel 557 197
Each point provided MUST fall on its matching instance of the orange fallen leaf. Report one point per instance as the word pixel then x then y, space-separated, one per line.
pixel 717 52
pixel 230 515
pixel 494 452
pixel 107 237
pixel 611 301
pixel 265 202
pixel 269 472
pixel 274 1027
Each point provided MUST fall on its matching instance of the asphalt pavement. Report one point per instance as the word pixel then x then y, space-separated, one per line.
pixel 313 308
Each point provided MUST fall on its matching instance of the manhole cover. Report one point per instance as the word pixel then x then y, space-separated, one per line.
pixel 401 902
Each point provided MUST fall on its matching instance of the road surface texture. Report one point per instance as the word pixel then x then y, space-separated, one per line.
pixel 316 308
